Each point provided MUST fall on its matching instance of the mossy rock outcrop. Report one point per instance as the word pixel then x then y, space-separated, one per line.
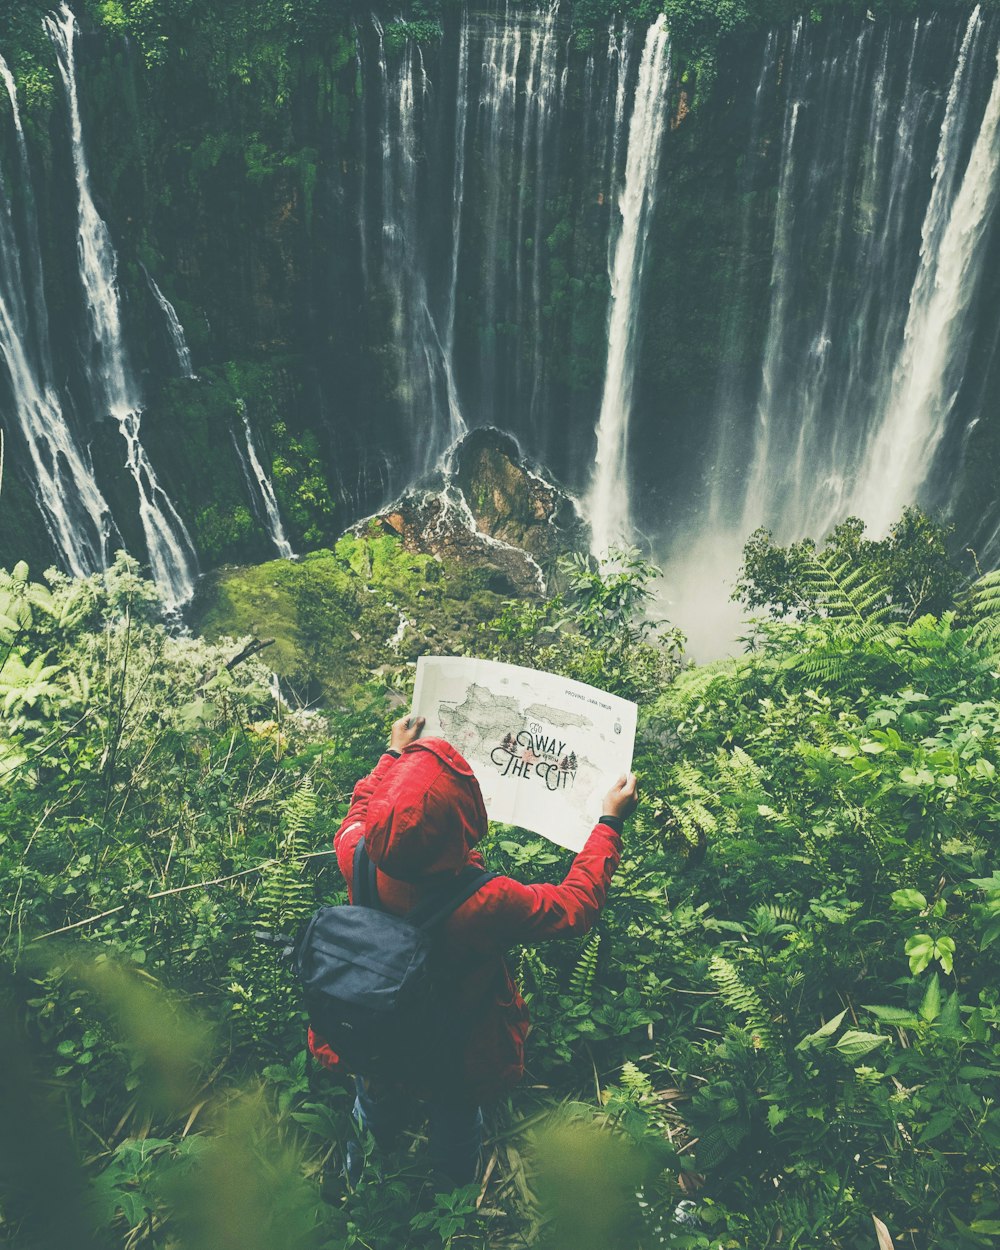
pixel 338 619
pixel 493 512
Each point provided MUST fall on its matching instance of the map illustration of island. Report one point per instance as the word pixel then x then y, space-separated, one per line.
pixel 544 748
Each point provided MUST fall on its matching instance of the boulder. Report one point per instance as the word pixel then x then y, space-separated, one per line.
pixel 491 510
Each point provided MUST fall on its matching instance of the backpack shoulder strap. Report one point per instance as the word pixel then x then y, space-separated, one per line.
pixel 436 909
pixel 364 879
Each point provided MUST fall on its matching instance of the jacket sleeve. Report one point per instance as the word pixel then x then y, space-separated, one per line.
pixel 352 827
pixel 528 913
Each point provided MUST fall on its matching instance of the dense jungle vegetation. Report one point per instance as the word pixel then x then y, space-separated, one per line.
pixel 784 1030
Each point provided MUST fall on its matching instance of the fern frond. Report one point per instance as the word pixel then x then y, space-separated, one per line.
pixel 841 592
pixel 636 1083
pixel 983 610
pixel 742 999
pixel 299 811
pixel 285 895
pixel 531 964
pixel 581 982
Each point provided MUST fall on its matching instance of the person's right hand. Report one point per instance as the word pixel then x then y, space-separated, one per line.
pixel 621 800
pixel 404 731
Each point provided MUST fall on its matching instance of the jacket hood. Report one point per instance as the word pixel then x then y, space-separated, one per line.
pixel 427 813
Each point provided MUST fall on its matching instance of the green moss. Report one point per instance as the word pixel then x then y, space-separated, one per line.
pixel 334 613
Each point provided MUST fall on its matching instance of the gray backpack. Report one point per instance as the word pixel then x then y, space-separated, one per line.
pixel 371 980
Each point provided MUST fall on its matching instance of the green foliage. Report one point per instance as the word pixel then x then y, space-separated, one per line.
pixel 596 629
pixel 398 34
pixel 787 1019
pixel 300 483
pixel 902 576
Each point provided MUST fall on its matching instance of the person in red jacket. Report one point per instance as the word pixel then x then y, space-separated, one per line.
pixel 421 814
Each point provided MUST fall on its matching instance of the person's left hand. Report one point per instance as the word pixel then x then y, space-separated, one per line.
pixel 404 731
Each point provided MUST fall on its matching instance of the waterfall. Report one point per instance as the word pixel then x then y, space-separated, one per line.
pixel 114 389
pixel 859 368
pixel 260 486
pixel 542 88
pixel 174 327
pixel 736 315
pixel 76 514
pixel 520 87
pixel 608 501
pixel 619 51
pixel 497 115
pixel 936 339
pixel 426 382
pixel 461 114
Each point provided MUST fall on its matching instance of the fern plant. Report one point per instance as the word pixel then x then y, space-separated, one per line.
pixel 982 609
pixel 285 896
pixel 743 1000
pixel 581 982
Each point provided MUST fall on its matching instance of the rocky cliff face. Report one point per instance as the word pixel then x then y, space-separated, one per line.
pixel 373 244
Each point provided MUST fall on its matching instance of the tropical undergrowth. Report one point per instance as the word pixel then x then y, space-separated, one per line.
pixel 783 1031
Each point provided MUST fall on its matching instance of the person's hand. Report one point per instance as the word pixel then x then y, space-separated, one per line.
pixel 621 800
pixel 404 731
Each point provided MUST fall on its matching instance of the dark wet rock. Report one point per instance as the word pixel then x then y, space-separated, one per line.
pixel 494 511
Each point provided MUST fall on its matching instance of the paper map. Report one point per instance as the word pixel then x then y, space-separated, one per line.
pixel 545 749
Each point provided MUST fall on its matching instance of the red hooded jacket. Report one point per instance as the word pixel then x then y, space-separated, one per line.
pixel 421 816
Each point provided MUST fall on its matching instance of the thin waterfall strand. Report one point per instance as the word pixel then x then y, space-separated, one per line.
pixel 260 486
pixel 608 504
pixel 171 552
pixel 75 512
pixel 174 328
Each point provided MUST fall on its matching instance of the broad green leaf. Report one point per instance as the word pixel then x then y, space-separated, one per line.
pixel 939 1123
pixel 823 1032
pixel 920 949
pixel 990 935
pixel 944 951
pixel 855 1043
pixel 908 900
pixel 949 1023
pixel 894 1015
pixel 930 1008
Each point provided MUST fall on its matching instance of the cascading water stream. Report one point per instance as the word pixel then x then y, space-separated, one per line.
pixel 174 328
pixel 260 486
pixel 76 514
pixel 842 375
pixel 518 116
pixel 886 179
pixel 427 386
pixel 936 339
pixel 461 115
pixel 114 390
pixel 608 505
